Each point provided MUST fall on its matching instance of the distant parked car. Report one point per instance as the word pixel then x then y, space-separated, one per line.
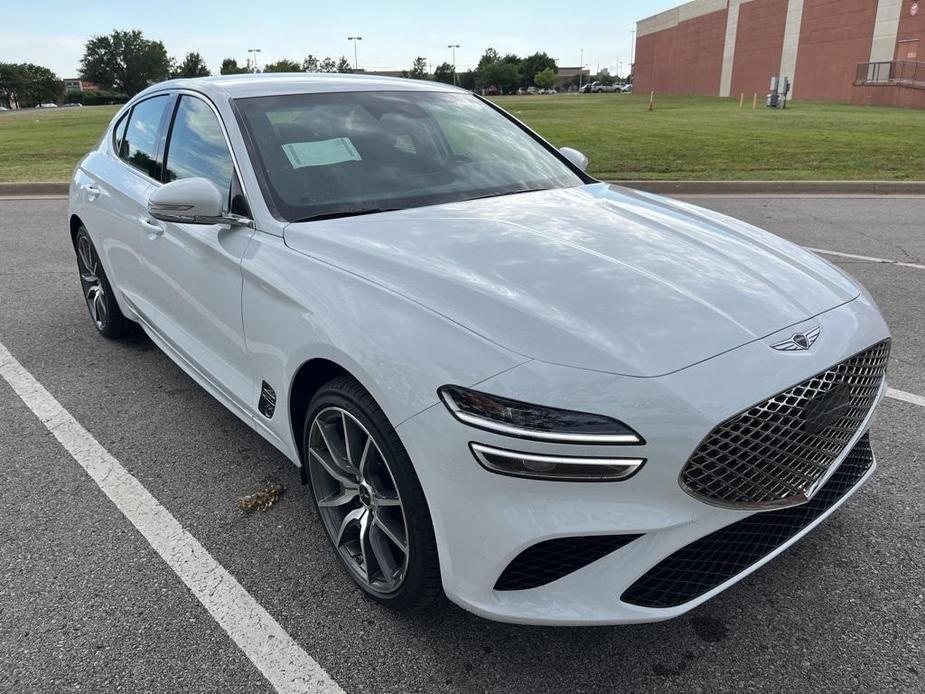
pixel 48 105
pixel 74 104
pixel 4 108
pixel 627 89
pixel 492 91
pixel 586 89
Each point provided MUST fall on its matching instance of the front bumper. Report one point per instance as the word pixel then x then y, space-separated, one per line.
pixel 483 520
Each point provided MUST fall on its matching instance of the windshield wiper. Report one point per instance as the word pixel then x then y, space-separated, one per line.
pixel 346 213
pixel 508 192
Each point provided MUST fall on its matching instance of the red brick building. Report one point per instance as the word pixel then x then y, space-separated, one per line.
pixel 865 51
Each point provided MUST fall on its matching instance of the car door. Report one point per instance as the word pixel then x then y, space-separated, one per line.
pixel 113 188
pixel 196 267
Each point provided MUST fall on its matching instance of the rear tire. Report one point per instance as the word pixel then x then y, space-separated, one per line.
pixel 97 292
pixel 369 498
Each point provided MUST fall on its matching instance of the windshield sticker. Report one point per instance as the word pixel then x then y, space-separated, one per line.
pixel 320 152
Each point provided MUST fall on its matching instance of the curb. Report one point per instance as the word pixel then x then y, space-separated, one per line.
pixel 777 187
pixel 658 187
pixel 13 190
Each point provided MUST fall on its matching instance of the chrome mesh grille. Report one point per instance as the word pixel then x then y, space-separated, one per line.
pixel 776 452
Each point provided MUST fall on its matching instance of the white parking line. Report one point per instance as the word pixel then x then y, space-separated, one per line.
pixel 905 397
pixel 284 664
pixel 869 258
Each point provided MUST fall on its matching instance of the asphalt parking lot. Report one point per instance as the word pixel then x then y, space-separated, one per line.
pixel 87 604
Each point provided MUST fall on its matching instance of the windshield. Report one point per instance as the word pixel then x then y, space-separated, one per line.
pixel 344 153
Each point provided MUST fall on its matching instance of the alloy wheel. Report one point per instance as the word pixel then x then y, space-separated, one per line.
pixel 91 281
pixel 358 500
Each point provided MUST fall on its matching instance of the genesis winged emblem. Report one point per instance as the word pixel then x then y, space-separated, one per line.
pixel 798 341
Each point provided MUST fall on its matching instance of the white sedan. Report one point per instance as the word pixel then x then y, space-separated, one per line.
pixel 555 400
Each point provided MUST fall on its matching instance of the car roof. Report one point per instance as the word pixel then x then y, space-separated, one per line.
pixel 273 84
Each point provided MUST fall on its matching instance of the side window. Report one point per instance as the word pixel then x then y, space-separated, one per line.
pixel 139 145
pixel 197 145
pixel 118 138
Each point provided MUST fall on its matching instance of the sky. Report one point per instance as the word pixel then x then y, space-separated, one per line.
pixel 53 33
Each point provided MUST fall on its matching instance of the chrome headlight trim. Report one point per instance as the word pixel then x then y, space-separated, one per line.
pixel 630 437
pixel 573 468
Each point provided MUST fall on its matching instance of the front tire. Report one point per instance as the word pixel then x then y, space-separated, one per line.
pixel 101 302
pixel 369 498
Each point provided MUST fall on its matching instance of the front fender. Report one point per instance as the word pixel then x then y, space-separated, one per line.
pixel 296 308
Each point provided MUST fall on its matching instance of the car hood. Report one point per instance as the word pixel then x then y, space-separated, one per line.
pixel 594 276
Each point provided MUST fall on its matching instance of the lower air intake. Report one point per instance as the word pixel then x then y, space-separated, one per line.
pixel 550 560
pixel 712 560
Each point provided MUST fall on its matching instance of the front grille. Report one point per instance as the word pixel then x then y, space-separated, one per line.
pixel 550 560
pixel 714 559
pixel 776 452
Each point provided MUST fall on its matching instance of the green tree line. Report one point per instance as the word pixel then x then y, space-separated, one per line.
pixel 124 62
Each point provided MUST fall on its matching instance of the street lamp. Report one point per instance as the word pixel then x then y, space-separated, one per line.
pixel 632 49
pixel 356 67
pixel 454 46
pixel 255 51
pixel 581 69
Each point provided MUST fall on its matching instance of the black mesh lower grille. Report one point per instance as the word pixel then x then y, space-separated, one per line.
pixel 712 560
pixel 547 561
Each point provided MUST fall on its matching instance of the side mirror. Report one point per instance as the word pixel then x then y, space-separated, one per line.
pixel 191 201
pixel 574 156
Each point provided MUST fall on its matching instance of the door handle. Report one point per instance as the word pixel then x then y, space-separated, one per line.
pixel 92 191
pixel 152 226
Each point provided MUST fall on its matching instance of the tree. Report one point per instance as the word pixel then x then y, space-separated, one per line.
pixel 604 76
pixel 25 84
pixel 494 71
pixel 466 79
pixel 535 63
pixel 125 61
pixel 192 66
pixel 343 65
pixel 230 67
pixel 443 73
pixel 545 78
pixel 283 65
pixel 418 69
pixel 327 65
pixel 488 57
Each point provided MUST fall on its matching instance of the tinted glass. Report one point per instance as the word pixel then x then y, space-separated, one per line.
pixel 197 145
pixel 139 148
pixel 119 134
pixel 347 153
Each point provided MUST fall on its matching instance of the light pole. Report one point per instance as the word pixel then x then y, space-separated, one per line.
pixel 454 46
pixel 632 50
pixel 581 69
pixel 255 51
pixel 356 67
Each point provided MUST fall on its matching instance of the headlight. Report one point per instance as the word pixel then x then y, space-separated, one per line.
pixel 523 420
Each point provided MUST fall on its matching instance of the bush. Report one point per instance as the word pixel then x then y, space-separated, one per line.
pixel 100 98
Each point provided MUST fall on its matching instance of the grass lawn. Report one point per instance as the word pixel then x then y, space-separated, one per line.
pixel 44 145
pixel 711 138
pixel 683 138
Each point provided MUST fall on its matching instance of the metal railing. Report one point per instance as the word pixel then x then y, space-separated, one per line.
pixel 906 73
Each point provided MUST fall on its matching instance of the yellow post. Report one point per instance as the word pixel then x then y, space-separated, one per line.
pixel 741 99
pixel 754 102
pixel 651 100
